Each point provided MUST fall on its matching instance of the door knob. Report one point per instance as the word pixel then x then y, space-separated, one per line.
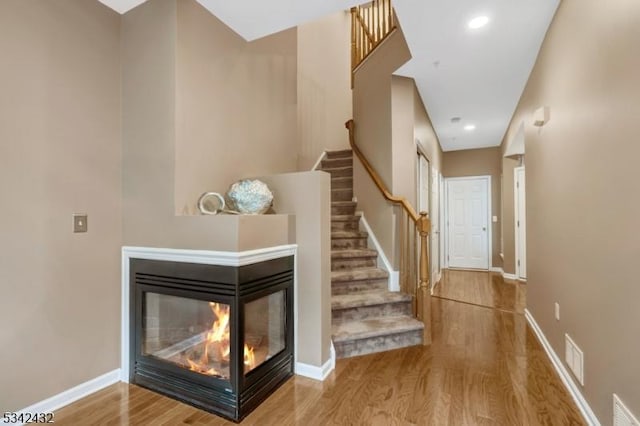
pixel 484 229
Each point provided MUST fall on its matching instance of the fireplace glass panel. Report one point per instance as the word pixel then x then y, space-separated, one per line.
pixel 264 334
pixel 191 333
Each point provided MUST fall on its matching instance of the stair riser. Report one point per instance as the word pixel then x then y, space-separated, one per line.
pixel 359 262
pixel 348 287
pixel 348 243
pixel 342 183
pixel 378 344
pixel 339 154
pixel 337 162
pixel 343 210
pixel 342 195
pixel 366 312
pixel 339 172
pixel 346 225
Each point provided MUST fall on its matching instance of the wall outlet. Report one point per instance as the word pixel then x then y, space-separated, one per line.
pixel 574 357
pixel 557 305
pixel 80 222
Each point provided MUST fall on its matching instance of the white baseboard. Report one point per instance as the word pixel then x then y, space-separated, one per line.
pixel 383 262
pixel 317 373
pixel 322 157
pixel 509 276
pixel 566 378
pixel 496 269
pixel 332 354
pixel 71 395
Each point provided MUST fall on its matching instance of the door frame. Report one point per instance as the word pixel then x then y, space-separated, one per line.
pixel 445 219
pixel 516 218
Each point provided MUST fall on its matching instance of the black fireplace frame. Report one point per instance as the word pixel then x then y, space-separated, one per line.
pixel 235 286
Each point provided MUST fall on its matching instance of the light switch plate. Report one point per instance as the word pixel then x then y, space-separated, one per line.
pixel 495 219
pixel 79 222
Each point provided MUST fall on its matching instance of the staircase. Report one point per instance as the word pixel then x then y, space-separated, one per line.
pixel 366 317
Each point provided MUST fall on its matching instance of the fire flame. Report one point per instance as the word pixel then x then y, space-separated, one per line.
pixel 217 344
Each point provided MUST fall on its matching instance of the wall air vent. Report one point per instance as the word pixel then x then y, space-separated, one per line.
pixel 621 414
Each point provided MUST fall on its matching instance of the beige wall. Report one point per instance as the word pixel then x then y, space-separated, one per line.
pixel 425 133
pixel 324 86
pixel 60 153
pixel 235 105
pixel 480 162
pixel 404 150
pixel 307 196
pixel 149 147
pixel 372 103
pixel 582 186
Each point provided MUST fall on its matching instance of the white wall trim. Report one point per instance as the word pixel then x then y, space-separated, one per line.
pixel 313 372
pixel 507 276
pixel 318 373
pixel 383 262
pixel 566 378
pixel 319 162
pixel 207 257
pixel 210 257
pixel 71 395
pixel 497 269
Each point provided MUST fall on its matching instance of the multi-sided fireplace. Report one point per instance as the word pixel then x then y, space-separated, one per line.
pixel 217 337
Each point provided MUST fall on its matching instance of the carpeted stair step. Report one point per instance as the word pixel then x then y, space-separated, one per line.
pixel 340 172
pixel 341 240
pixel 356 280
pixel 342 183
pixel 353 259
pixel 343 208
pixel 333 163
pixel 353 338
pixel 369 304
pixel 344 194
pixel 339 154
pixel 345 222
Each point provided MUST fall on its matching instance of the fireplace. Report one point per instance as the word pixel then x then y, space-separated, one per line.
pixel 217 337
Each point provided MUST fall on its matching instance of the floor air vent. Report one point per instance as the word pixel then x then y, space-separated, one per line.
pixel 621 414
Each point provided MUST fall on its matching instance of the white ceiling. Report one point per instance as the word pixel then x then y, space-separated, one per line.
pixel 480 74
pixel 477 75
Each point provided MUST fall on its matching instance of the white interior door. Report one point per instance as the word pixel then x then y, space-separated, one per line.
pixel 435 226
pixel 521 223
pixel 468 222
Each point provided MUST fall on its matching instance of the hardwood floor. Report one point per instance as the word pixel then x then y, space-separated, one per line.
pixel 485 366
pixel 483 289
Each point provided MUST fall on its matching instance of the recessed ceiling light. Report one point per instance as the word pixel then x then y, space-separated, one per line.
pixel 478 22
pixel 470 127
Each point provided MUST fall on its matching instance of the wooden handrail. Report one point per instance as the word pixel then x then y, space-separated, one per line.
pixel 376 178
pixel 422 226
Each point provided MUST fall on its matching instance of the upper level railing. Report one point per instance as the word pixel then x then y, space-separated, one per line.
pixel 413 237
pixel 371 23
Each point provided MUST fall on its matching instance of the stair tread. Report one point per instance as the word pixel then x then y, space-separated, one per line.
pixel 324 169
pixel 341 178
pixel 374 327
pixel 339 152
pixel 349 234
pixel 343 203
pixel 344 217
pixel 353 253
pixel 367 298
pixel 358 274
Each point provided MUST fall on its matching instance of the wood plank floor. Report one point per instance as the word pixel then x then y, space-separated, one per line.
pixel 482 288
pixel 485 366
